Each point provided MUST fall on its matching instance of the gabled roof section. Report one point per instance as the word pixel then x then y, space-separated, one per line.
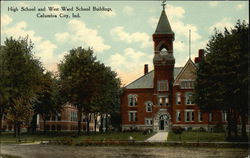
pixel 187 72
pixel 163 26
pixel 147 81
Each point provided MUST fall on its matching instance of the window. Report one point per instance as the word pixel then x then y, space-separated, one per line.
pixel 59 118
pixel 73 116
pixel 148 121
pixel 200 118
pixel 210 116
pixel 187 84
pixel 162 85
pixel 178 116
pixel 149 106
pixel 224 116
pixel 132 116
pixel 178 98
pixel 163 100
pixel 189 98
pixel 132 100
pixel 189 115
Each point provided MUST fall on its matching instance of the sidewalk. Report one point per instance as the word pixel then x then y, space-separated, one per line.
pixel 158 137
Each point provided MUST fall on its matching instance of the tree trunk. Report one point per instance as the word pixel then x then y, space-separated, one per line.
pixel 95 118
pixel 243 125
pixel 101 125
pixel 106 123
pixel 1 119
pixel 88 122
pixel 79 120
pixel 44 126
pixel 235 122
pixel 229 124
pixel 33 125
pixel 19 131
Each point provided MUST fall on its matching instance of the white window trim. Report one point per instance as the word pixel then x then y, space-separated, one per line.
pixel 211 115
pixel 177 96
pixel 186 94
pixel 190 116
pixel 200 116
pixel 150 120
pixel 134 116
pixel 149 102
pixel 134 100
pixel 178 113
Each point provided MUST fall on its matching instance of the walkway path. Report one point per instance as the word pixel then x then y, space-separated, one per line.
pixel 158 137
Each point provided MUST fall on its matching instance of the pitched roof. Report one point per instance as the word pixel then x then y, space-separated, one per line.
pixel 147 80
pixel 187 72
pixel 163 26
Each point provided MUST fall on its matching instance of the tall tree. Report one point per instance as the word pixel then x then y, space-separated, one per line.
pixel 77 79
pixel 222 77
pixel 19 80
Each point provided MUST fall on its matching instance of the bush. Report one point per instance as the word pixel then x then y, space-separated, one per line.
pixel 218 128
pixel 177 129
pixel 147 131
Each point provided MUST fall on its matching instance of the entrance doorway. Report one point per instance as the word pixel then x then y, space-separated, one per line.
pixel 162 124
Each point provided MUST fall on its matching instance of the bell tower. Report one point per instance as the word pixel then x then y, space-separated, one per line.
pixel 163 61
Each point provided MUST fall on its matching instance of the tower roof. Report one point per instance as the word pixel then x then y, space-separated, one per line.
pixel 163 26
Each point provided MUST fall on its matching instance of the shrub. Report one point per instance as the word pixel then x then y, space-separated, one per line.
pixel 218 128
pixel 177 129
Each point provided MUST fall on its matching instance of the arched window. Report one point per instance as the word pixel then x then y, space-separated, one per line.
pixel 149 106
pixel 189 98
pixel 178 98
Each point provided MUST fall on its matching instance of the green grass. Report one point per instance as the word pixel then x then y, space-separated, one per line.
pixel 28 138
pixel 197 136
pixel 9 156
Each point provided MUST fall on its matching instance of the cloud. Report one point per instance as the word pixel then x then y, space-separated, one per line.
pixel 80 35
pixel 213 3
pixel 45 50
pixel 19 30
pixel 129 64
pixel 5 20
pixel 137 37
pixel 240 6
pixel 128 10
pixel 225 22
pixel 108 14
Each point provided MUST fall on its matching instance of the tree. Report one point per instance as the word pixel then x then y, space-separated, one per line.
pixel 88 84
pixel 77 77
pixel 19 81
pixel 47 103
pixel 222 79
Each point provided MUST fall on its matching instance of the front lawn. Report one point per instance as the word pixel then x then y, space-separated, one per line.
pixel 112 136
pixel 191 136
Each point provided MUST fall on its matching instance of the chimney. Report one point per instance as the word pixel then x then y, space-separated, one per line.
pixel 145 69
pixel 201 53
pixel 200 57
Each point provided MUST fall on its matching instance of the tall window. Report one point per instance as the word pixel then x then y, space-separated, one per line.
pixel 189 98
pixel 178 98
pixel 132 100
pixel 73 116
pixel 148 121
pixel 162 85
pixel 224 116
pixel 189 115
pixel 149 106
pixel 132 116
pixel 59 117
pixel 211 116
pixel 187 84
pixel 163 100
pixel 178 116
pixel 200 118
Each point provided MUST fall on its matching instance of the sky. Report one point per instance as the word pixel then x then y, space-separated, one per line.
pixel 121 38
